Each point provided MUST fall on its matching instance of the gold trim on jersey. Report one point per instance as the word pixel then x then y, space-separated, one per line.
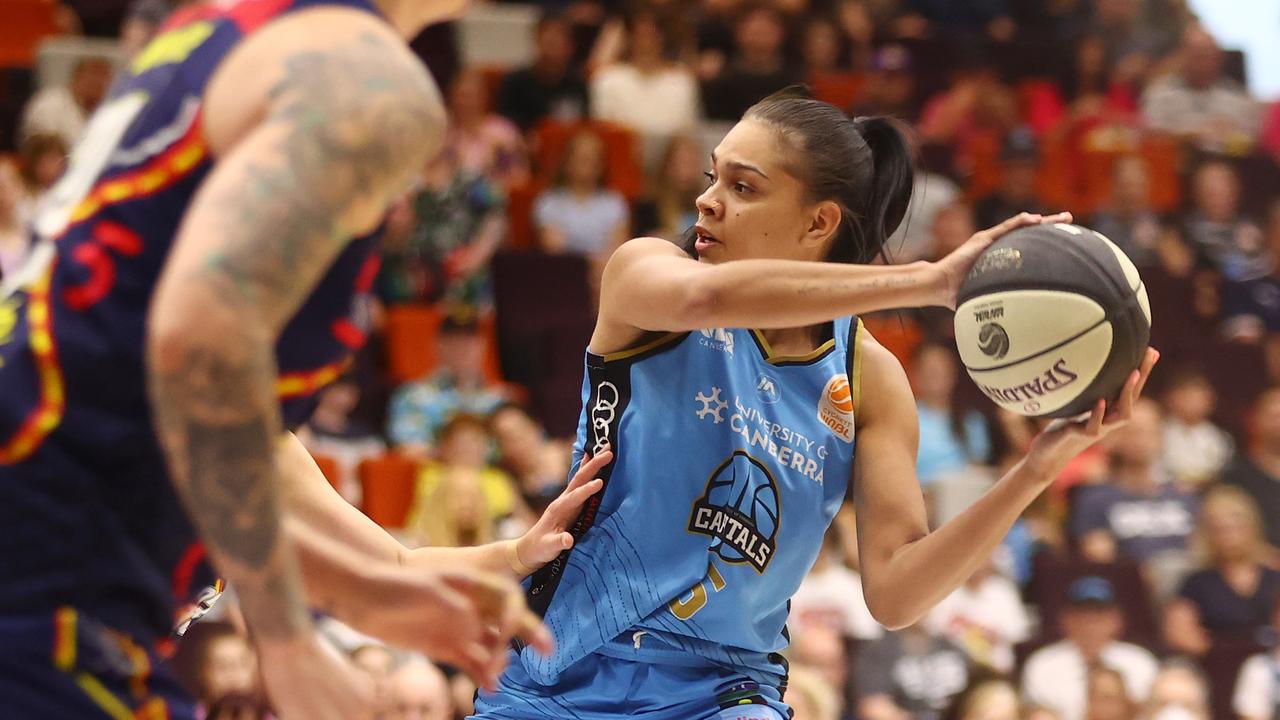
pixel 775 359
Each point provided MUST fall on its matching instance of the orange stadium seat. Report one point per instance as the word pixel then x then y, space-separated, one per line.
pixel 839 89
pixel 411 340
pixel 622 160
pixel 329 467
pixel 26 23
pixel 520 231
pixel 388 483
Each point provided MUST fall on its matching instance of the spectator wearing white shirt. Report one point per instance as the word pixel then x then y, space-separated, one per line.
pixel 1057 676
pixel 63 110
pixel 1180 692
pixel 831 596
pixel 1198 102
pixel 646 80
pixel 985 616
pixel 1257 692
pixel 1194 448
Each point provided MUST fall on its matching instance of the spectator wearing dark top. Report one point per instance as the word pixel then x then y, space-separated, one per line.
pixel 924 18
pixel 1218 231
pixel 1127 219
pixel 757 69
pixel 891 85
pixel 909 673
pixel 1258 472
pixel 669 209
pixel 1137 514
pixel 1251 309
pixel 550 86
pixel 1020 157
pixel 1230 599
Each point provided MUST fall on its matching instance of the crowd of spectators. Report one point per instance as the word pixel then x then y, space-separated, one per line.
pixel 1144 584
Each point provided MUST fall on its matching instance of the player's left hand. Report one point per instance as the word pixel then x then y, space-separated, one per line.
pixel 550 535
pixel 1062 440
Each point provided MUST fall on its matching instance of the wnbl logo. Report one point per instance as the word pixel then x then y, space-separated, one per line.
pixel 740 510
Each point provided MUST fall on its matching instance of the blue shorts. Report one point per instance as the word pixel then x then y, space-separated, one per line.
pixel 66 665
pixel 609 684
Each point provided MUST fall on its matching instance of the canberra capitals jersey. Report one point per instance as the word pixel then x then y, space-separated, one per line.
pixel 729 465
pixel 88 514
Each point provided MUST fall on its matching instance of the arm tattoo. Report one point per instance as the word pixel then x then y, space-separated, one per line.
pixel 349 125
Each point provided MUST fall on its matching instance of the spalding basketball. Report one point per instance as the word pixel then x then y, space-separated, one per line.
pixel 1051 318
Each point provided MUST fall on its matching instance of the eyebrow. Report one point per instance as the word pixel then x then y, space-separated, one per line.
pixel 740 166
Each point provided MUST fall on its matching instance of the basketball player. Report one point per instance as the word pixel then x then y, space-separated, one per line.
pixel 735 447
pixel 196 282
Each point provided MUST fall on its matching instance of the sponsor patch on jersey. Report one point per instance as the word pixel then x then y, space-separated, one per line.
pixel 835 407
pixel 740 510
pixel 717 339
pixel 767 389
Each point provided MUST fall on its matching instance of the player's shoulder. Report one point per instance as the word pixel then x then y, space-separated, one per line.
pixel 883 388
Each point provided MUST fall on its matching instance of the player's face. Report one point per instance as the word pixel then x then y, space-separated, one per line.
pixel 754 207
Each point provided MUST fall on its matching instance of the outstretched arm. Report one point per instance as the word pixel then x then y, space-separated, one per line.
pixel 906 568
pixel 344 116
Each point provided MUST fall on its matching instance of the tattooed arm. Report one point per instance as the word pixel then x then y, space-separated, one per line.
pixel 319 120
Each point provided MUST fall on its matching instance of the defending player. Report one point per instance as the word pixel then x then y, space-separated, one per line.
pixel 735 447
pixel 196 281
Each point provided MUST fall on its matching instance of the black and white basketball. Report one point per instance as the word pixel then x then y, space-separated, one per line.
pixel 1051 318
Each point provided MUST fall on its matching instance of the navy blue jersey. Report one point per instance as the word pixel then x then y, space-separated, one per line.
pixel 88 517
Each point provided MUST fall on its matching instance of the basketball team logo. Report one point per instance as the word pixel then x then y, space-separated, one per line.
pixel 835 407
pixel 740 510
pixel 993 340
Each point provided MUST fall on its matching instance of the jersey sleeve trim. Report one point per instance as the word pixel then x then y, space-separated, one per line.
pixel 854 351
pixel 774 359
pixel 647 349
pixel 47 414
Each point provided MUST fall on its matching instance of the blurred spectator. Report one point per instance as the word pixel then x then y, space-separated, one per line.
pixel 1271 131
pixel 976 111
pixel 820 47
pixel 1137 514
pixel 419 408
pixel 1230 598
pixel 1094 90
pixel 482 142
pixel 987 700
pixel 951 438
pixel 539 465
pixel 332 432
pixel 1032 711
pixel 403 276
pixel 909 673
pixel 14 237
pixel 953 224
pixel 1180 692
pixel 459 499
pixel 43 159
pixel 1257 691
pixel 1020 158
pixel 810 697
pixel 831 596
pixel 1251 309
pixel 984 616
pixel 891 85
pixel 1057 676
pixel 1127 219
pixel 823 651
pixel 1128 38
pixel 1108 699
pixel 915 237
pixel 238 706
pixel 1258 471
pixel 1195 449
pixel 646 79
pixel 419 691
pixel 669 211
pixel 141 22
pixel 460 221
pixel 550 87
pixel 63 110
pixel 227 666
pixel 378 661
pixel 579 215
pixel 1200 103
pixel 757 68
pixel 1217 230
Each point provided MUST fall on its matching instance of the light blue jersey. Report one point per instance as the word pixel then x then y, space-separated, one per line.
pixel 729 464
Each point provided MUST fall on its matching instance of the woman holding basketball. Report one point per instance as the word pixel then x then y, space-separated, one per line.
pixel 733 448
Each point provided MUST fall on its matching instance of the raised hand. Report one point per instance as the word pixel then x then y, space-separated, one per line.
pixel 550 535
pixel 956 265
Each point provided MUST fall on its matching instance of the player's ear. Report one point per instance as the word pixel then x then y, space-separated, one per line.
pixel 823 222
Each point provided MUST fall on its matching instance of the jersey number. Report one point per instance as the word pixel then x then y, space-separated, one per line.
pixel 685 608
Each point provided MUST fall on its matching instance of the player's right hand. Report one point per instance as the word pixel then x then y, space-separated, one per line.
pixel 306 680
pixel 465 619
pixel 955 266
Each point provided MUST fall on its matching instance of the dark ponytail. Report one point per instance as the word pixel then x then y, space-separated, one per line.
pixel 863 164
pixel 892 177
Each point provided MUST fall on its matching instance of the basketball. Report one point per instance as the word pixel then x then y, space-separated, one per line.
pixel 1051 318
